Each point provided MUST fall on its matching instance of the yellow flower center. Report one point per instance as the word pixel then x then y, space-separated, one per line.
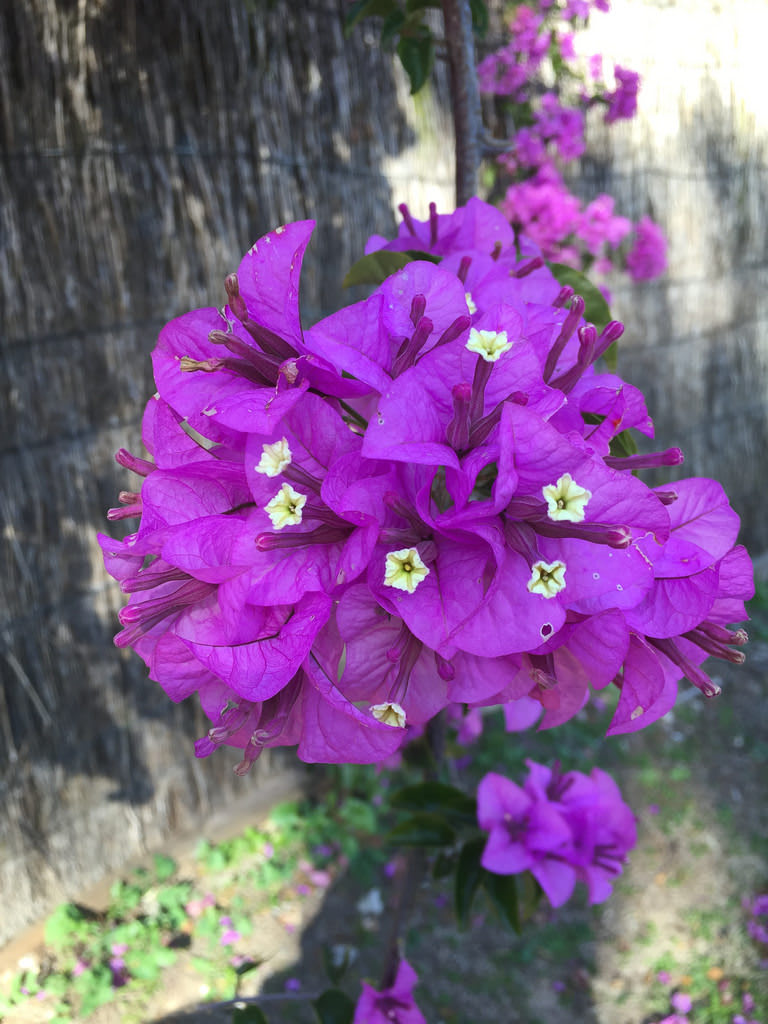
pixel 285 508
pixel 566 500
pixel 274 458
pixel 547 578
pixel 491 345
pixel 389 713
pixel 404 570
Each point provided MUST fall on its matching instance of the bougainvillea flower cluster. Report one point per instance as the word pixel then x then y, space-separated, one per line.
pixel 548 90
pixel 419 501
pixel 562 827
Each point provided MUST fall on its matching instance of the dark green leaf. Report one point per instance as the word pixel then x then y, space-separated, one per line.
pixel 391 27
pixel 248 1013
pixel 247 966
pixel 417 54
pixel 503 892
pixel 335 971
pixel 334 1007
pixel 623 444
pixel 423 830
pixel 469 874
pixel 376 267
pixel 443 866
pixel 479 16
pixel 595 307
pixel 366 9
pixel 418 254
pixel 419 5
pixel 437 797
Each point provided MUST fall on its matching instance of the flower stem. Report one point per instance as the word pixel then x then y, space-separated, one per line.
pixel 465 97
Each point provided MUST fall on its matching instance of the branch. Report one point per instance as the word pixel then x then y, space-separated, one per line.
pixel 465 96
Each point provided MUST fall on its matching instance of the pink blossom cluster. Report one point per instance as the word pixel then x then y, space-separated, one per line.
pixel 545 210
pixel 551 133
pixel 416 502
pixel 562 827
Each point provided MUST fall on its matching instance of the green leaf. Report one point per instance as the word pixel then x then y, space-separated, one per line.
pixel 479 16
pixel 367 9
pixel 334 970
pixel 443 866
pixel 65 924
pixel 437 797
pixel 595 307
pixel 503 892
pixel 376 267
pixel 417 55
pixel 425 829
pixel 623 444
pixel 165 867
pixel 334 1007
pixel 248 1014
pixel 469 874
pixel 393 23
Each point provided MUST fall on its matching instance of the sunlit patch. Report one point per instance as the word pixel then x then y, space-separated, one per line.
pixel 566 500
pixel 274 458
pixel 389 713
pixel 491 345
pixel 547 578
pixel 404 570
pixel 285 508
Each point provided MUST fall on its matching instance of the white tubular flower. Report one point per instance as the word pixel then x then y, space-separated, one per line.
pixel 566 500
pixel 547 578
pixel 404 570
pixel 389 713
pixel 471 307
pixel 274 458
pixel 491 345
pixel 285 508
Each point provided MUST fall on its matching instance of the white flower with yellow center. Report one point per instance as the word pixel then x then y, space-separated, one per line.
pixel 285 508
pixel 566 500
pixel 274 458
pixel 389 713
pixel 470 303
pixel 404 570
pixel 491 345
pixel 547 578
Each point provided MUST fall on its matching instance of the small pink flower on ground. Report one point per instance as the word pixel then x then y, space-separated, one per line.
pixel 268 850
pixel 664 977
pixel 655 809
pixel 681 1002
pixel 748 1002
pixel 321 879
pixel 79 968
pixel 303 890
pixel 293 985
pixel 229 935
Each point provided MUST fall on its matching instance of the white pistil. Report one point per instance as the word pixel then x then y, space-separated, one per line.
pixel 566 500
pixel 404 570
pixel 470 303
pixel 491 345
pixel 274 458
pixel 547 578
pixel 285 508
pixel 389 713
